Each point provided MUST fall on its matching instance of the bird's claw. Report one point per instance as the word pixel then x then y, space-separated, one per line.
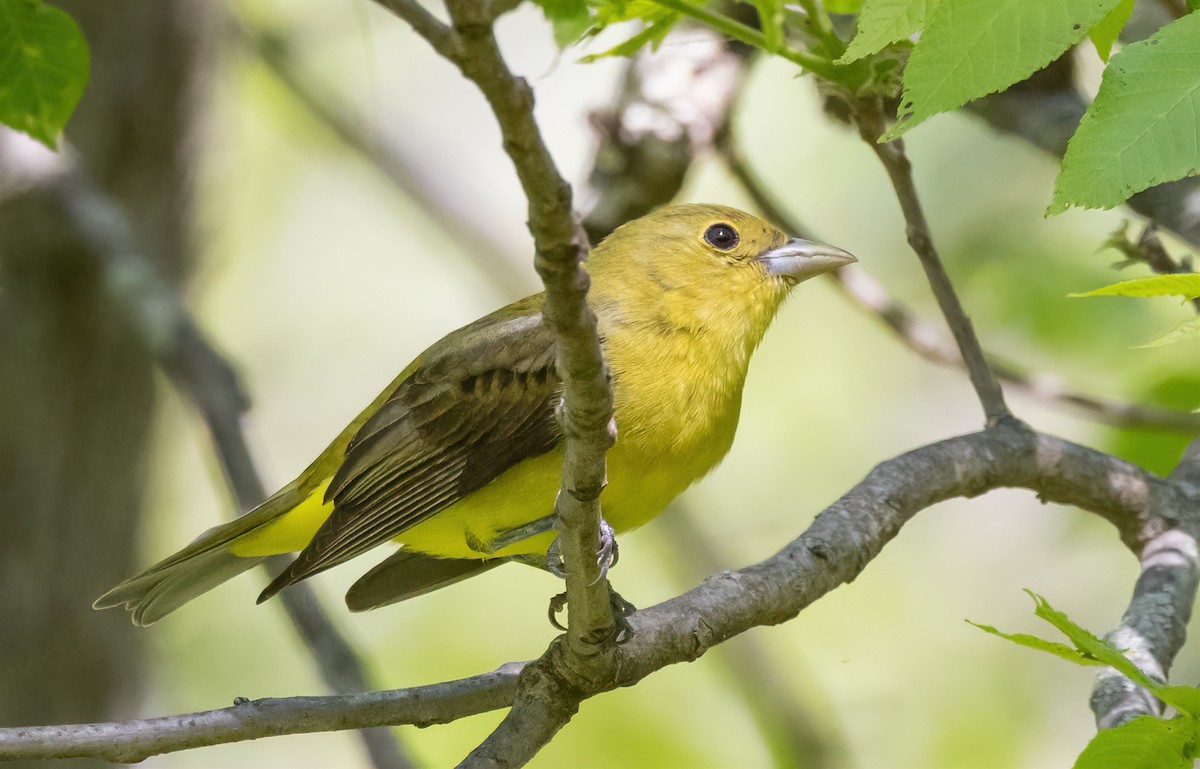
pixel 608 554
pixel 622 610
pixel 557 604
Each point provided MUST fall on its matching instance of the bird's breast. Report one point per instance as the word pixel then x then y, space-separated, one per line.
pixel 676 405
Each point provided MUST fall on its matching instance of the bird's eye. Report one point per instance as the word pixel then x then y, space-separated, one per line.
pixel 721 236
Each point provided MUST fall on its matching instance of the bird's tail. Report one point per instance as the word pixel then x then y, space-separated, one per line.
pixel 219 554
pixel 160 590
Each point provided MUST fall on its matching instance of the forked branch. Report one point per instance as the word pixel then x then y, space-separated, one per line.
pixel 835 549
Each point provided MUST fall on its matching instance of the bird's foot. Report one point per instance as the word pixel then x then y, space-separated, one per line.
pixel 606 556
pixel 622 610
pixel 557 604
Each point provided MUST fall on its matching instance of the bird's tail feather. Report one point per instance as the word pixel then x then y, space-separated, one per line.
pixel 154 594
pixel 200 566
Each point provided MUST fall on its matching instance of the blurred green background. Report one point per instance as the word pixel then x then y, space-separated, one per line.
pixel 320 281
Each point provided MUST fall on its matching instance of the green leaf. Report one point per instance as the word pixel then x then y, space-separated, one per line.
pixel 1105 33
pixel 658 22
pixel 612 11
pixel 569 18
pixel 1090 650
pixel 1185 699
pixel 1186 285
pixel 1033 642
pixel 653 34
pixel 1145 742
pixel 843 6
pixel 1189 328
pixel 43 68
pixel 1143 127
pixel 1088 643
pixel 971 48
pixel 883 22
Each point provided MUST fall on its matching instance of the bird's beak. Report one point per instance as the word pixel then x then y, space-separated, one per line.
pixel 798 260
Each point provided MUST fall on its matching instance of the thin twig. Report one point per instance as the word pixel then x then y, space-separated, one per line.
pixel 586 418
pixel 868 115
pixel 822 29
pixel 439 36
pixel 132 741
pixel 561 248
pixel 930 343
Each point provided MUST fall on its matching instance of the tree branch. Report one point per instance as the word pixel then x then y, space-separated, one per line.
pixel 1154 627
pixel 132 741
pixel 834 550
pixel 928 342
pixel 561 249
pixel 846 536
pixel 868 116
pixel 586 418
pixel 425 24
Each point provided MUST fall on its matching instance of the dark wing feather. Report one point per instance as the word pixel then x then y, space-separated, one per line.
pixel 406 574
pixel 481 400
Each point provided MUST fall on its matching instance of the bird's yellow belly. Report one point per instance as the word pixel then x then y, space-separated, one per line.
pixel 641 484
pixel 639 487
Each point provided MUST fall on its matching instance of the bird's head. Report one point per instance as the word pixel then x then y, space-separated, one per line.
pixel 703 267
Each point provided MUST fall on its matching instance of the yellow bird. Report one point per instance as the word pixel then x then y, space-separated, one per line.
pixel 459 459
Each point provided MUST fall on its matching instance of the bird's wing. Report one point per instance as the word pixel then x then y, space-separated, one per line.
pixel 407 574
pixel 479 402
